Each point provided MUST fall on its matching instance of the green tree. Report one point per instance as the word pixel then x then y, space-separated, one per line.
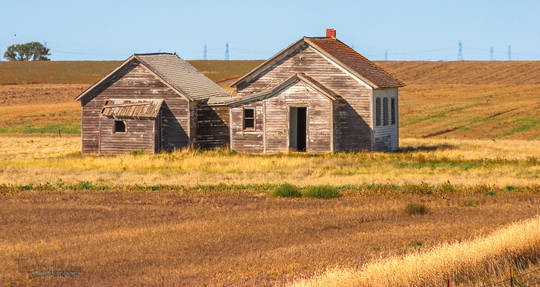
pixel 33 51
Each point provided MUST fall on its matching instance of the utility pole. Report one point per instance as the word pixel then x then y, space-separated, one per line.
pixel 509 52
pixel 227 55
pixel 460 52
pixel 386 55
pixel 491 53
pixel 205 52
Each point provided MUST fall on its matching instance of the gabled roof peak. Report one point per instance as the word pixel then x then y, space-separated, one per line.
pixel 151 54
pixel 178 74
pixel 339 53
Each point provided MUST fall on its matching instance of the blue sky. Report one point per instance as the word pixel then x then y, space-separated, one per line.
pixel 409 30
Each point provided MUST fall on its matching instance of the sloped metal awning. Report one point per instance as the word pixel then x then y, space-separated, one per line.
pixel 132 108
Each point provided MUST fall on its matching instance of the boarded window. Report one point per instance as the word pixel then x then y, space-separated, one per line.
pixel 385 111
pixel 392 111
pixel 119 126
pixel 378 111
pixel 249 118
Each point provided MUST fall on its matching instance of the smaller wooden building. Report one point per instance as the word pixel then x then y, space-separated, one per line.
pixel 151 103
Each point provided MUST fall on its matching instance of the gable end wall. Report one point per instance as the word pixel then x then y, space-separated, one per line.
pixel 352 115
pixel 134 81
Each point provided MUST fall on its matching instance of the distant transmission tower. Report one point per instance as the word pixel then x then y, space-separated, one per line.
pixel 386 55
pixel 460 52
pixel 227 56
pixel 509 52
pixel 491 53
pixel 205 53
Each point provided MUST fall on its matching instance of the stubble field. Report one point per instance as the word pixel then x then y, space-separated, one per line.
pixel 469 154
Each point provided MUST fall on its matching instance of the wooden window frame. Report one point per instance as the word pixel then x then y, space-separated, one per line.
pixel 244 118
pixel 114 127
pixel 378 111
pixel 393 111
pixel 385 113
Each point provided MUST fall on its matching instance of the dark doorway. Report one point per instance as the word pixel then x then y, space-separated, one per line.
pixel 297 128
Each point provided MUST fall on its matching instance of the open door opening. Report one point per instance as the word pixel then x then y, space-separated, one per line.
pixel 297 128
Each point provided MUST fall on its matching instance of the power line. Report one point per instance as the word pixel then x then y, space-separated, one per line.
pixel 460 52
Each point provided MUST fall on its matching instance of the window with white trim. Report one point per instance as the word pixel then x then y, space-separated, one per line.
pixel 393 111
pixel 378 111
pixel 249 119
pixel 385 111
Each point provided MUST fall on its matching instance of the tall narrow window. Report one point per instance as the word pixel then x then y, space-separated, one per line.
pixel 119 126
pixel 385 111
pixel 378 111
pixel 249 119
pixel 392 111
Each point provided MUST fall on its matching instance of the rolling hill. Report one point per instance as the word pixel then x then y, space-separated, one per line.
pixel 466 99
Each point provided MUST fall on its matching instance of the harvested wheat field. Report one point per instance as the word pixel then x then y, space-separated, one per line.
pixel 467 100
pixel 462 193
pixel 232 238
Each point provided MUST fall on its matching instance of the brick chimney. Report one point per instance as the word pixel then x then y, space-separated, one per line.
pixel 330 33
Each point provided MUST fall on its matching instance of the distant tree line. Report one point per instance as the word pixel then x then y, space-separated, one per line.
pixel 33 51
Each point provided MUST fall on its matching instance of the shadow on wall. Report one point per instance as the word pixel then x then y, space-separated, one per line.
pixel 352 133
pixel 173 135
pixel 212 130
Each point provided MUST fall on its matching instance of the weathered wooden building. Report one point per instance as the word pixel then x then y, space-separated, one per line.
pixel 317 95
pixel 150 103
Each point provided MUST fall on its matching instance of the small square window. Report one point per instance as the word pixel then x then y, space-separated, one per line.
pixel 249 118
pixel 119 127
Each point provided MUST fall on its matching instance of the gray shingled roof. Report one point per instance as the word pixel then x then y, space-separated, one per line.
pixel 181 75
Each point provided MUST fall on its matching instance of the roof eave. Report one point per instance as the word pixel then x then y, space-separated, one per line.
pixel 78 98
pixel 265 63
pixel 292 79
pixel 341 64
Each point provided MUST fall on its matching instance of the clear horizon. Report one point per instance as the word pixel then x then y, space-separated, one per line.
pixel 416 30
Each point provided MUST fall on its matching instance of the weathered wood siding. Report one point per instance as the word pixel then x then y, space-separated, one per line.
pixel 250 141
pixel 386 137
pixel 139 135
pixel 271 134
pixel 134 81
pixel 212 126
pixel 352 117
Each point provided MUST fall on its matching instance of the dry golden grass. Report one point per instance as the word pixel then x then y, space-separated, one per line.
pixel 41 159
pixel 127 238
pixel 467 261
